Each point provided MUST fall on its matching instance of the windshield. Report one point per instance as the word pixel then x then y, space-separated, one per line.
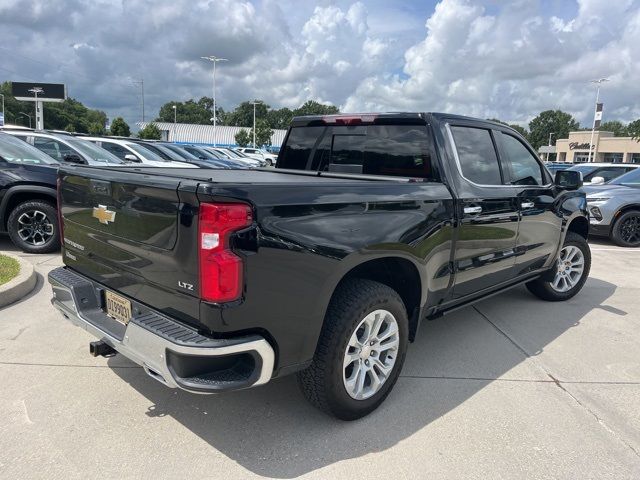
pixel 145 152
pixel 631 178
pixel 93 151
pixel 181 152
pixel 13 150
pixel 583 168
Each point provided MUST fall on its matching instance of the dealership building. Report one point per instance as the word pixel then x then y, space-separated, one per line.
pixel 606 147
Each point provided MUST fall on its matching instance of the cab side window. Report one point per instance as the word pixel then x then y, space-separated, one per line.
pixel 477 155
pixel 523 166
pixel 48 146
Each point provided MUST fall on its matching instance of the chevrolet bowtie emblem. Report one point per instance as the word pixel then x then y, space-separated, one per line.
pixel 103 214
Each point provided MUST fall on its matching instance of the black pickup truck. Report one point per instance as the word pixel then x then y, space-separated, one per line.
pixel 215 280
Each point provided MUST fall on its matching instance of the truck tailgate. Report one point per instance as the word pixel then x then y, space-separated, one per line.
pixel 123 231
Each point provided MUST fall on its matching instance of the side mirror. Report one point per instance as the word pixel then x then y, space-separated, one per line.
pixel 130 157
pixel 74 158
pixel 597 180
pixel 568 179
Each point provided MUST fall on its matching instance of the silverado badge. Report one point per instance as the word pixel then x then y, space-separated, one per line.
pixel 103 214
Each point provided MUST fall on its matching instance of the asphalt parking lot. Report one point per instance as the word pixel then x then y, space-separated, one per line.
pixel 510 388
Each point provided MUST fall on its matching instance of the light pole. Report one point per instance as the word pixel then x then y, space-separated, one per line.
pixel 593 128
pixel 36 91
pixel 213 59
pixel 254 103
pixel 27 115
pixel 551 133
pixel 175 116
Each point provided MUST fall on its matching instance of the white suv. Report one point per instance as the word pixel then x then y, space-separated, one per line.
pixel 132 152
pixel 259 153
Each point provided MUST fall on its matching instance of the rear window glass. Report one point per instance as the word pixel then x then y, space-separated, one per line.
pixel 392 150
pixel 477 155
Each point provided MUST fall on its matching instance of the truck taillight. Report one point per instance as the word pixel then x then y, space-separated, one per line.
pixel 220 268
pixel 59 206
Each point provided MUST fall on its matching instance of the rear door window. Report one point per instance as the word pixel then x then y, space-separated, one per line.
pixel 477 155
pixel 392 150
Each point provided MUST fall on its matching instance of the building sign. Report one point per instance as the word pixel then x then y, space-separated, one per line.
pixel 47 92
pixel 598 116
pixel 580 146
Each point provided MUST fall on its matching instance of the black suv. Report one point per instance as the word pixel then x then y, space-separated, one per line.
pixel 28 210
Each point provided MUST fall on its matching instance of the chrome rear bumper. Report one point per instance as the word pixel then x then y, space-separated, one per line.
pixel 172 353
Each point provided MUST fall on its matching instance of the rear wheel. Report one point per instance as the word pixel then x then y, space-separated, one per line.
pixel 360 352
pixel 570 272
pixel 626 229
pixel 33 227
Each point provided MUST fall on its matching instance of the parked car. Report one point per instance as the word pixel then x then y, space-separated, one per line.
pixel 270 158
pixel 555 166
pixel 67 148
pixel 211 159
pixel 132 151
pixel 600 173
pixel 233 155
pixel 28 201
pixel 614 210
pixel 324 266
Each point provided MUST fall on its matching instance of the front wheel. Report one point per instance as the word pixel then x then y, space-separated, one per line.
pixel 570 272
pixel 360 352
pixel 33 227
pixel 626 229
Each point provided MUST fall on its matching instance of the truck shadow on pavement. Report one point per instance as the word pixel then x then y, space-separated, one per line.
pixel 272 431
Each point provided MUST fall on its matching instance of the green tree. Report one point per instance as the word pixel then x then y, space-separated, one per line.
pixel 618 128
pixel 279 118
pixel 119 128
pixel 550 121
pixel 242 138
pixel 150 132
pixel 192 111
pixel 311 107
pixel 70 128
pixel 633 130
pixel 242 115
pixel 263 133
pixel 96 129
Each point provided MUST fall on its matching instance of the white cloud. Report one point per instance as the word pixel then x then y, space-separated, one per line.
pixel 515 63
pixel 510 60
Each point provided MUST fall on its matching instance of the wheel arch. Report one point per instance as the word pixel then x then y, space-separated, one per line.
pixel 579 225
pixel 20 194
pixel 398 273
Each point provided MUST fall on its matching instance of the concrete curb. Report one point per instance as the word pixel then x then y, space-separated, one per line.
pixel 19 287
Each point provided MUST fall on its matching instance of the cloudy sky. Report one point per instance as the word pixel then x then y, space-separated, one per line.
pixel 486 58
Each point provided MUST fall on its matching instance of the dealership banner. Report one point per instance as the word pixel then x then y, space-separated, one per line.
pixel 598 117
pixel 1 119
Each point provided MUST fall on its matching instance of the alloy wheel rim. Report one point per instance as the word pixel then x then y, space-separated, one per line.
pixel 370 354
pixel 630 230
pixel 35 228
pixel 570 267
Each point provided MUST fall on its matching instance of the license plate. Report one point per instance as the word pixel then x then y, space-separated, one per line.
pixel 118 307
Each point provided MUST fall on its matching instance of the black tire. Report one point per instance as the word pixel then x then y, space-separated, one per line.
pixel 49 227
pixel 322 383
pixel 626 229
pixel 543 288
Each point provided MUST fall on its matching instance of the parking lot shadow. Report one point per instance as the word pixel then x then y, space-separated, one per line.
pixel 272 431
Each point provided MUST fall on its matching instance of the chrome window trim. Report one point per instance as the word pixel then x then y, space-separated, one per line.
pixel 459 166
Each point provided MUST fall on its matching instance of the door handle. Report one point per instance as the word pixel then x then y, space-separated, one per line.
pixel 528 204
pixel 473 210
